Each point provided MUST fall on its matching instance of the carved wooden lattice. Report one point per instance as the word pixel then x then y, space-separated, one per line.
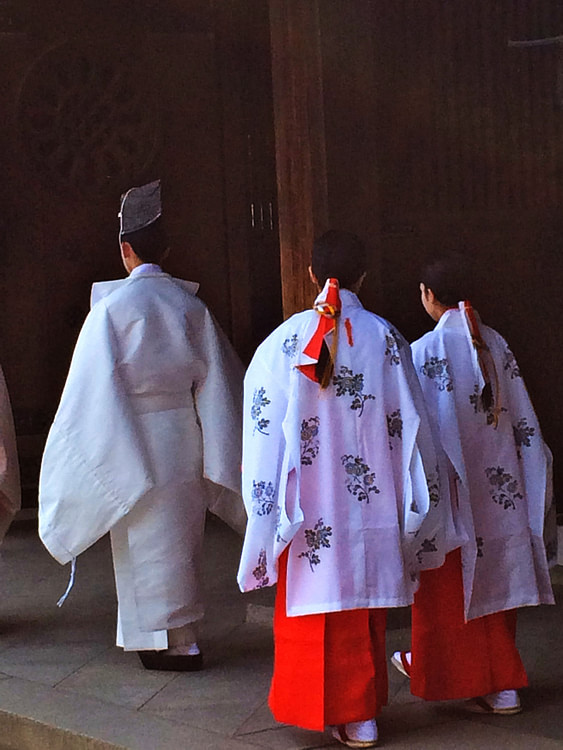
pixel 84 119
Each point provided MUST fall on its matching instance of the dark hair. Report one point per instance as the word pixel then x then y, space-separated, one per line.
pixel 450 277
pixel 338 255
pixel 149 243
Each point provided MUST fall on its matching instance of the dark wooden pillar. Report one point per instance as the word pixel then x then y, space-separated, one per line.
pixel 300 142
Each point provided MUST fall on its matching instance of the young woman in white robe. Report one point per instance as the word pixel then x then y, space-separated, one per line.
pixel 341 486
pixel 464 618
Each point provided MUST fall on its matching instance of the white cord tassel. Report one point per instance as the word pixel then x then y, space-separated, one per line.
pixel 70 583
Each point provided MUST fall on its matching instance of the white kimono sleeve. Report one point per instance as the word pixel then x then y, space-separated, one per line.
pixel 10 494
pixel 268 478
pixel 425 502
pixel 95 466
pixel 218 400
pixel 534 454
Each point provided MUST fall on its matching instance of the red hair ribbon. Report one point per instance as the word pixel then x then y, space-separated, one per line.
pixel 328 305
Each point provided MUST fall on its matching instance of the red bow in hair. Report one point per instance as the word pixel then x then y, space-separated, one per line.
pixel 328 305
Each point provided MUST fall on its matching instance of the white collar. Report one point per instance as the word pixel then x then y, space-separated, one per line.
pixel 102 289
pixel 145 268
pixel 349 299
pixel 453 317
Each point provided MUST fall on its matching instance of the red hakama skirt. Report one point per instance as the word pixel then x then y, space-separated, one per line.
pixel 328 668
pixel 454 659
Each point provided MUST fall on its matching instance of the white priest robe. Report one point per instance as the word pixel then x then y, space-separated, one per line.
pixel 10 493
pixel 346 476
pixel 502 474
pixel 146 437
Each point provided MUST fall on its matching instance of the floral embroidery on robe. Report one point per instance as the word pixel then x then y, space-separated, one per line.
pixel 290 345
pixel 522 434
pixel 260 570
pixel 352 385
pixel 428 545
pixel 510 365
pixel 434 486
pixel 259 401
pixel 263 497
pixel 504 487
pixel 393 344
pixel 361 481
pixel 315 539
pixel 394 426
pixel 309 440
pixel 438 370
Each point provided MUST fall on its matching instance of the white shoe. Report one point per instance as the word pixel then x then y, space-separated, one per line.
pixel 505 702
pixel 402 661
pixel 356 733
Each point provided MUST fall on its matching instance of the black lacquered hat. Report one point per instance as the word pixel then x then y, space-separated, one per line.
pixel 140 207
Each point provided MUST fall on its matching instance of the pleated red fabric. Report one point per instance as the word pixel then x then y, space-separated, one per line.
pixel 452 659
pixel 328 668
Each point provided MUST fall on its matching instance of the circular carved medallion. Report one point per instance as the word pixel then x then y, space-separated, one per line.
pixel 86 121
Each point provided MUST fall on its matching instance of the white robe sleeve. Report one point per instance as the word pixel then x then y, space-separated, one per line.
pixel 425 508
pixel 534 454
pixel 10 494
pixel 95 466
pixel 269 486
pixel 218 400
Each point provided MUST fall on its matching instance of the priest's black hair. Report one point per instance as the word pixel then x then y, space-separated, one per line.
pixel 450 277
pixel 339 255
pixel 149 243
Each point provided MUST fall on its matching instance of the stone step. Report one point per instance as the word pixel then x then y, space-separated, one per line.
pixel 23 733
pixel 40 717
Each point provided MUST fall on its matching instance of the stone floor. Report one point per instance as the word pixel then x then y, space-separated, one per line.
pixel 64 685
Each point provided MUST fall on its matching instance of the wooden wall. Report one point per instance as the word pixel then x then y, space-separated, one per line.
pixel 471 157
pixel 97 97
pixel 436 136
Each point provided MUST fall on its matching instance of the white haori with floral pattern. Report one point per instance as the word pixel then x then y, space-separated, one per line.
pixel 146 437
pixel 10 493
pixel 502 474
pixel 339 474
